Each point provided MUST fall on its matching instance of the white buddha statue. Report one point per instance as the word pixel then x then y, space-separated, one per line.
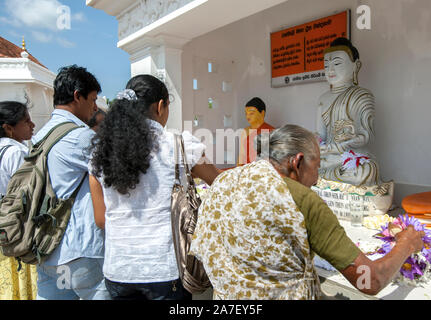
pixel 345 120
pixel 345 123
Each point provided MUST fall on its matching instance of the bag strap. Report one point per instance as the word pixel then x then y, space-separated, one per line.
pixel 179 144
pixel 43 212
pixel 177 167
pixel 3 151
pixel 51 138
pixel 52 130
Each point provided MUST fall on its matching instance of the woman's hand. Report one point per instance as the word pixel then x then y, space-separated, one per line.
pixel 410 236
pixel 206 172
pixel 383 270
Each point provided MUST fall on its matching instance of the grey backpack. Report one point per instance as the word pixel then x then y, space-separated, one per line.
pixel 32 219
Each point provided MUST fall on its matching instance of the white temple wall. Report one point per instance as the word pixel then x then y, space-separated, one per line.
pixel 396 56
pixel 40 98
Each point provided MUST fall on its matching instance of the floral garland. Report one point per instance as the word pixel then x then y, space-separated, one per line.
pixel 417 268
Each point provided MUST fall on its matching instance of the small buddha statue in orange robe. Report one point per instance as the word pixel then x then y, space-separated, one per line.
pixel 255 111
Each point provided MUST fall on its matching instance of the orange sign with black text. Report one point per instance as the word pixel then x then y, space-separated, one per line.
pixel 297 52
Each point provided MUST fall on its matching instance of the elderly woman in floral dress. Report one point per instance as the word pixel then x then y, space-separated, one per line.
pixel 260 225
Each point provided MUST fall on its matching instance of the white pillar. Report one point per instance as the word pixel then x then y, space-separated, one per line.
pixel 173 69
pixel 141 63
pixel 163 61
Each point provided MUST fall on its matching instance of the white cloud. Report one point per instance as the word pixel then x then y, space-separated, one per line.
pixel 4 20
pixel 78 17
pixel 42 36
pixel 12 22
pixel 40 14
pixel 15 34
pixel 15 37
pixel 65 43
pixel 44 17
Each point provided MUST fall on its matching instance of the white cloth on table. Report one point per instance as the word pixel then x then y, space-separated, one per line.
pixel 322 263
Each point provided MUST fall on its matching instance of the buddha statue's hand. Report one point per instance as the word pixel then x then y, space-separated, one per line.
pixel 323 150
pixel 332 148
pixel 328 156
pixel 352 144
pixel 328 160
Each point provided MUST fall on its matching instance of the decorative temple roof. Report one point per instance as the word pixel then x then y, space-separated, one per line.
pixel 10 50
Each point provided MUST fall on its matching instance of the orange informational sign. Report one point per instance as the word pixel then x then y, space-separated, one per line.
pixel 297 53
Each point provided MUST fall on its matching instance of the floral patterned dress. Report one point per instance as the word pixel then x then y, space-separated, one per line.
pixel 252 238
pixel 16 285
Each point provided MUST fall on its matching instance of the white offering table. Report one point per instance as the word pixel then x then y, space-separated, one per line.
pixel 334 285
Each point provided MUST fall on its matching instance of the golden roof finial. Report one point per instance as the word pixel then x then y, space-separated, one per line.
pixel 23 44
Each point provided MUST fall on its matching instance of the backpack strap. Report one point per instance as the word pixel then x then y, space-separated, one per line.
pixel 51 138
pixel 43 212
pixel 43 147
pixel 3 151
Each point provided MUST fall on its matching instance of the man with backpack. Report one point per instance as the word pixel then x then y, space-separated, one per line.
pixel 74 268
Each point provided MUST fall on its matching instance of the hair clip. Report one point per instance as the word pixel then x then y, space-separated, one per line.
pixel 127 94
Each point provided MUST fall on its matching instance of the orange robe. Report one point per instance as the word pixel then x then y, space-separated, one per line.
pixel 250 151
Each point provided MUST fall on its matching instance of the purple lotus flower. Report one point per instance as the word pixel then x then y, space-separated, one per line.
pixel 414 267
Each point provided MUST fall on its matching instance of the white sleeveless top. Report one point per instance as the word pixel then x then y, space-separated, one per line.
pixel 138 235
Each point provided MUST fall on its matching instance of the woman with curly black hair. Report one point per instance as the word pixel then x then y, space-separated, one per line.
pixel 131 180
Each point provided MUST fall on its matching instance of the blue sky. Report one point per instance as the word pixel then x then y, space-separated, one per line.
pixel 90 42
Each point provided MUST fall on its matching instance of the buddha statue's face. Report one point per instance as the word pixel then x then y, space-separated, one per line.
pixel 254 117
pixel 339 68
